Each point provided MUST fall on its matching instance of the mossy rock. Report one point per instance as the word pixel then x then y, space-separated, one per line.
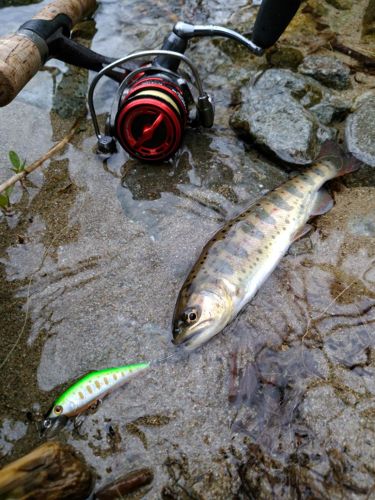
pixel 341 4
pixel 284 57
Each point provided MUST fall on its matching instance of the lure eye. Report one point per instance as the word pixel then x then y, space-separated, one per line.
pixel 58 410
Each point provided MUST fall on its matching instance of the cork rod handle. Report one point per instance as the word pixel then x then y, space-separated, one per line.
pixel 74 9
pixel 20 57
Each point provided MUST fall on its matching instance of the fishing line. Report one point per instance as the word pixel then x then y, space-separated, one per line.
pixel 160 361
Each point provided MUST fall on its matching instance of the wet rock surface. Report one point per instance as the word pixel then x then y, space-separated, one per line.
pixel 360 131
pixel 281 404
pixel 287 114
pixel 327 70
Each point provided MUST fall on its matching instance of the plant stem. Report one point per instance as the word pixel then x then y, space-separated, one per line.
pixel 30 168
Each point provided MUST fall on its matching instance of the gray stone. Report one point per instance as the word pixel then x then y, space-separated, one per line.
pixel 327 70
pixel 281 112
pixel 362 226
pixel 360 131
pixel 341 4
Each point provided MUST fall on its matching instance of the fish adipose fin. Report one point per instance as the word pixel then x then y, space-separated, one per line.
pixel 302 232
pixel 322 204
pixel 343 162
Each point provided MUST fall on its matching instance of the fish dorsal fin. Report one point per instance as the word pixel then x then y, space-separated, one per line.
pixel 322 204
pixel 302 232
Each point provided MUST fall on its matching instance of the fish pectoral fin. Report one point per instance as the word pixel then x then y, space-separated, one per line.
pixel 323 203
pixel 302 232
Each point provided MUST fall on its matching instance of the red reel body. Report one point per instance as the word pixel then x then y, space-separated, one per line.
pixel 151 118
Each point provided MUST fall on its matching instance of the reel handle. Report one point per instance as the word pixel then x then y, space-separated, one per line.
pixel 23 53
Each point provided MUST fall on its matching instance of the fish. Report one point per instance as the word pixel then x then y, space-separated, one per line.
pixel 88 390
pixel 239 258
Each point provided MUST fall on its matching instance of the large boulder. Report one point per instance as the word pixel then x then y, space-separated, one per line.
pixel 360 131
pixel 288 114
pixel 327 70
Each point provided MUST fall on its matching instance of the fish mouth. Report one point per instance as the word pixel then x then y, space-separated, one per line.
pixel 186 339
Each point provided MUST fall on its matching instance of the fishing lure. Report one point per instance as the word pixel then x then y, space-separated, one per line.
pixel 89 390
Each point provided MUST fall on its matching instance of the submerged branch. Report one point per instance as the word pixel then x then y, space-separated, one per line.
pixel 367 61
pixel 49 154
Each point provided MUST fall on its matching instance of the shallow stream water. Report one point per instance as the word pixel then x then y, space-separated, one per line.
pixel 279 405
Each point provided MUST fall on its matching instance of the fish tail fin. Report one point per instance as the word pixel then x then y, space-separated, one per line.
pixel 342 161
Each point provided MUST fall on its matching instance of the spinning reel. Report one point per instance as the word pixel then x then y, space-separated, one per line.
pixel 153 104
pixel 151 108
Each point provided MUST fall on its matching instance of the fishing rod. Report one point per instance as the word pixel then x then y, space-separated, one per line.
pixel 154 103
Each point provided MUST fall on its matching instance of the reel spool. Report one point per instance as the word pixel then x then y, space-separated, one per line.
pixel 151 118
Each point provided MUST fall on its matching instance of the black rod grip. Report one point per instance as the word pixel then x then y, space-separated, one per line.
pixel 272 19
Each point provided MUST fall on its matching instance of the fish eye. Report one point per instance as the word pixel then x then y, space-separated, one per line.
pixel 58 409
pixel 190 316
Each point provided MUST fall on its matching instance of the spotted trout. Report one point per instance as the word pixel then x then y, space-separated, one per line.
pixel 244 252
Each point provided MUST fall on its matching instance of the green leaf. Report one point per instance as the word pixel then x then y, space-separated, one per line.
pixel 4 201
pixel 15 161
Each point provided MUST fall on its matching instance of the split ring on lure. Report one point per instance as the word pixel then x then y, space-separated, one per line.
pixel 88 390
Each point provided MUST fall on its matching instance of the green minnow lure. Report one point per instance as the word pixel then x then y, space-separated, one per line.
pixel 91 388
pixel 240 256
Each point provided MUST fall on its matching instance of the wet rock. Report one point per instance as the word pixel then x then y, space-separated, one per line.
pixel 341 4
pixel 369 19
pixel 281 112
pixel 321 404
pixel 125 485
pixel 327 70
pixel 360 131
pixel 265 477
pixel 327 112
pixel 10 432
pixel 284 57
pixel 362 226
pixel 300 247
pixel 348 349
pixel 262 476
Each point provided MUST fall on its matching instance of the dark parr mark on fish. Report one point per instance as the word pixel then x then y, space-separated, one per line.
pixel 318 171
pixel 279 202
pixel 251 230
pixel 237 250
pixel 223 267
pixel 308 180
pixel 294 191
pixel 263 215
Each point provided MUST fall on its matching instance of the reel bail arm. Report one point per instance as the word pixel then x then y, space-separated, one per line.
pixel 187 31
